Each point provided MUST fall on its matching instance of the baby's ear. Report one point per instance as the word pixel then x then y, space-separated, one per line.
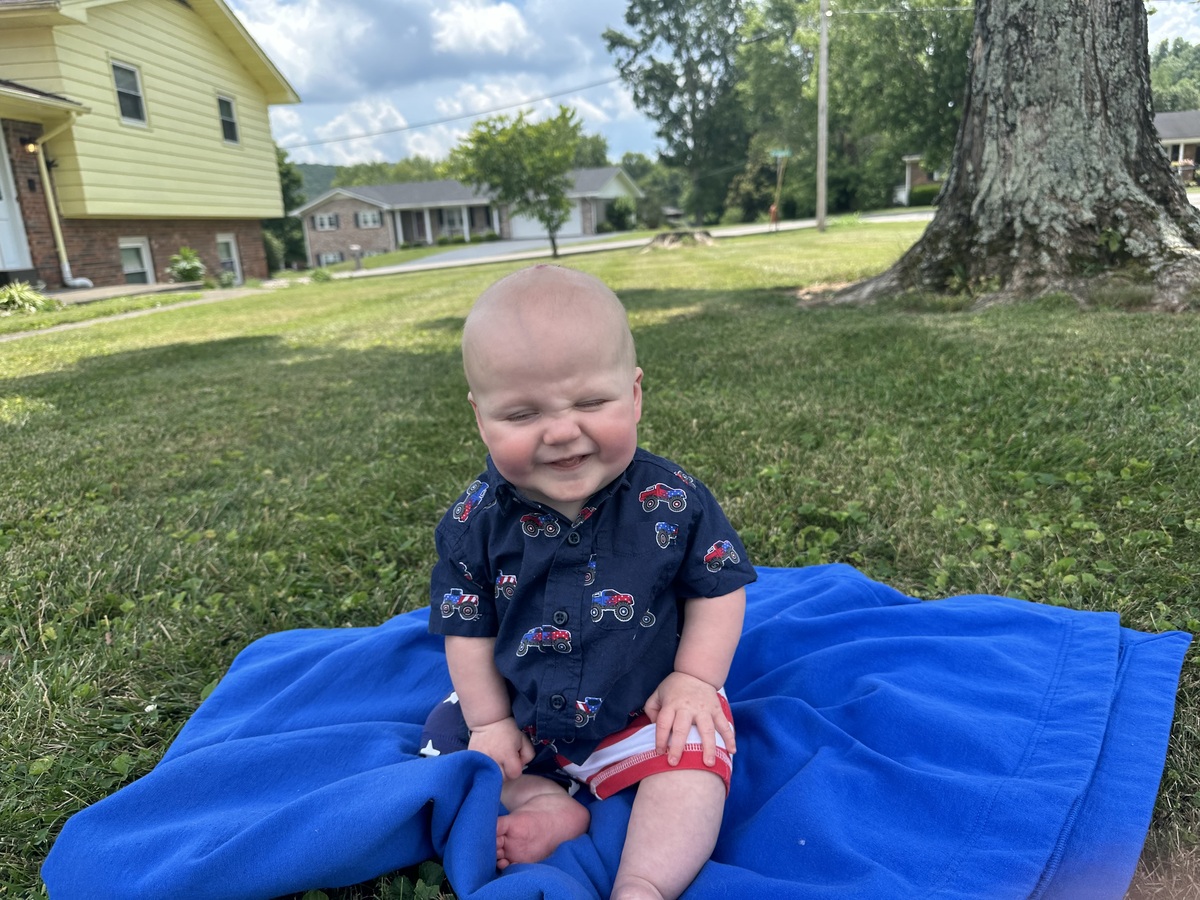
pixel 637 393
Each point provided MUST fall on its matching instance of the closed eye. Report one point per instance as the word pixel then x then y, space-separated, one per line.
pixel 591 404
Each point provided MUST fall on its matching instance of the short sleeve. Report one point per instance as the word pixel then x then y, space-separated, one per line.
pixel 716 562
pixel 462 601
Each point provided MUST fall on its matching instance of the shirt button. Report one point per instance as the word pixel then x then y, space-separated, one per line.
pixel 560 617
pixel 573 538
pixel 558 701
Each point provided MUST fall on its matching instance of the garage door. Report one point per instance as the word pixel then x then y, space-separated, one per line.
pixel 523 227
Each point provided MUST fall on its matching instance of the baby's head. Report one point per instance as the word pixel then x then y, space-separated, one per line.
pixel 554 383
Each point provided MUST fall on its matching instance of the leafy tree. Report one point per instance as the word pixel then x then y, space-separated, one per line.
pixel 1058 181
pixel 678 60
pixel 283 238
pixel 661 186
pixel 896 83
pixel 1175 76
pixel 591 152
pixel 523 164
pixel 413 168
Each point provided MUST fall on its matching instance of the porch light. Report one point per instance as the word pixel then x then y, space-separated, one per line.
pixel 30 145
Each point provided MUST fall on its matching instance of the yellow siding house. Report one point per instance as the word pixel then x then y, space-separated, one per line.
pixel 131 128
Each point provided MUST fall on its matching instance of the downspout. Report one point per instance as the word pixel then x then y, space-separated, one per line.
pixel 52 206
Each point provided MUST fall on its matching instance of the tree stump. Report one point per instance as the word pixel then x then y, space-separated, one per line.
pixel 673 240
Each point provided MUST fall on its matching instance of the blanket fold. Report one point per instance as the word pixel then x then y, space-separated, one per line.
pixel 889 747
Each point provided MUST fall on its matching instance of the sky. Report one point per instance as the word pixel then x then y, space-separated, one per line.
pixel 387 69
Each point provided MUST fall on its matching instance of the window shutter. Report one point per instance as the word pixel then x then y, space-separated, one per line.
pixel 313 221
pixel 357 220
pixel 337 222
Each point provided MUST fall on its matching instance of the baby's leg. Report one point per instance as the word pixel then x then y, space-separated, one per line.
pixel 672 831
pixel 541 815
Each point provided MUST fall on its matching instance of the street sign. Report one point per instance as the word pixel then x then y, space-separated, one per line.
pixel 781 153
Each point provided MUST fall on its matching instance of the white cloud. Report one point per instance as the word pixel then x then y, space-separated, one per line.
pixel 368 118
pixel 306 39
pixel 476 26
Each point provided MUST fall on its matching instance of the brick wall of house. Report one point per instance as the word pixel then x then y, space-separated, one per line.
pixel 371 240
pixel 93 245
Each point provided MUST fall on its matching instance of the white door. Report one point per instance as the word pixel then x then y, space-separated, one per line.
pixel 523 227
pixel 14 246
pixel 227 252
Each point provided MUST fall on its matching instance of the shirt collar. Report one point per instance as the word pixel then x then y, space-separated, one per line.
pixel 507 495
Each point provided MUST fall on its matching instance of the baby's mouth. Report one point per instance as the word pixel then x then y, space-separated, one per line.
pixel 569 462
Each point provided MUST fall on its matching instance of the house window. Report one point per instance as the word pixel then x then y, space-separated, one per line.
pixel 229 126
pixel 129 94
pixel 136 262
pixel 329 259
pixel 325 221
pixel 369 219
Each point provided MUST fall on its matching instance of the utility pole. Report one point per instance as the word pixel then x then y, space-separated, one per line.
pixel 822 111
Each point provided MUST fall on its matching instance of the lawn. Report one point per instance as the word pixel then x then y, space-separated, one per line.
pixel 182 483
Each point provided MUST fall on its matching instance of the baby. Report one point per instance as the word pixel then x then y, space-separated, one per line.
pixel 591 593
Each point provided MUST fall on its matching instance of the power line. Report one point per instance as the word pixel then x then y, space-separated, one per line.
pixel 474 115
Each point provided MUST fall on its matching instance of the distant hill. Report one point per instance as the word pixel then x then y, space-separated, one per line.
pixel 317 179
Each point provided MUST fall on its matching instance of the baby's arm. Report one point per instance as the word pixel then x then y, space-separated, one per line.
pixel 483 697
pixel 688 696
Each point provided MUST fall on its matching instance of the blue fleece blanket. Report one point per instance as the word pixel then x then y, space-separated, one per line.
pixel 969 747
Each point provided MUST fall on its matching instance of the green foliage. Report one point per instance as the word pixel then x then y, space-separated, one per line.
pixel 412 168
pixel 678 61
pixel 923 194
pixel 320 276
pixel 591 152
pixel 283 238
pixel 1175 76
pixel 622 214
pixel 19 296
pixel 523 163
pixel 660 185
pixel 186 265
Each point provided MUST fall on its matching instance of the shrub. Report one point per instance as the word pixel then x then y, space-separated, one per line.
pixel 622 213
pixel 923 194
pixel 320 275
pixel 605 227
pixel 443 241
pixel 226 279
pixel 491 236
pixel 185 266
pixel 21 297
pixel 274 249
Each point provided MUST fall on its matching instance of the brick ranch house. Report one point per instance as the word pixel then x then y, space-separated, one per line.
pixel 380 218
pixel 129 129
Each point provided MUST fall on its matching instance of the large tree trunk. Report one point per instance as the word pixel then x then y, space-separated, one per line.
pixel 1058 175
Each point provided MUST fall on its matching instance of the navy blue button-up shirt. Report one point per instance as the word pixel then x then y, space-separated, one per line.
pixel 586 614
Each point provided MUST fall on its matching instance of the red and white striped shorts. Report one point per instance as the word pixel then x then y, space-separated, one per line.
pixel 626 757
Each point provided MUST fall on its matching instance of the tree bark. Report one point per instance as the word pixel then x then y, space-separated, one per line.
pixel 1058 176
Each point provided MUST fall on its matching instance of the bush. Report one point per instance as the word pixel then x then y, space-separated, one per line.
pixel 622 214
pixel 443 241
pixel 605 227
pixel 923 194
pixel 185 266
pixel 21 297
pixel 491 236
pixel 226 279
pixel 274 249
pixel 320 275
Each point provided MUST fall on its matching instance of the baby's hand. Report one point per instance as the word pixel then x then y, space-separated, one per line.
pixel 677 704
pixel 504 742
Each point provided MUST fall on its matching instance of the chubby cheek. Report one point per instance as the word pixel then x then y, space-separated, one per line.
pixel 512 453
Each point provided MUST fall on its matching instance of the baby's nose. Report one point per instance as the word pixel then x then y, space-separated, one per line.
pixel 562 429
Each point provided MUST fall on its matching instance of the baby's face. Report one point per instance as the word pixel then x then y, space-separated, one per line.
pixel 557 400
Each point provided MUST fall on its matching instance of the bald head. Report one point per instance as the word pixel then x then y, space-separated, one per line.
pixel 547 310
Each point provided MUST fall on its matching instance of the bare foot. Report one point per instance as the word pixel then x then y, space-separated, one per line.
pixel 533 831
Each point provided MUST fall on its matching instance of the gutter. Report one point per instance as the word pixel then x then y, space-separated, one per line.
pixel 60 244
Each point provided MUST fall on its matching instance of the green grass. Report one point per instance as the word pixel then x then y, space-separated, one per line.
pixel 180 484
pixel 100 309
